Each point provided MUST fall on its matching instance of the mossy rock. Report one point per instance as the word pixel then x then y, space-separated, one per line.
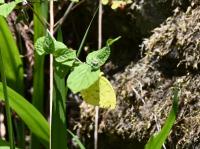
pixel 144 89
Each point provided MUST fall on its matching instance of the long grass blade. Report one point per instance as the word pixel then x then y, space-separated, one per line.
pixel 58 126
pixel 7 104
pixel 38 82
pixel 29 114
pixel 11 58
pixel 74 137
pixel 14 70
pixel 38 76
pixel 86 33
pixel 157 140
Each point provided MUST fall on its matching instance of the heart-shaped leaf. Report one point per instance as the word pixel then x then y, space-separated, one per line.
pixel 82 77
pixel 97 58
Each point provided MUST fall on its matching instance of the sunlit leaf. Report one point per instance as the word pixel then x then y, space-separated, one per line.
pixel 48 45
pixel 2 1
pixel 104 2
pixel 64 55
pixel 39 46
pixel 98 58
pixel 82 77
pixel 7 8
pixel 11 58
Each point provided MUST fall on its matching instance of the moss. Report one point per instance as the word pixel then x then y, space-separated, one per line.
pixel 177 38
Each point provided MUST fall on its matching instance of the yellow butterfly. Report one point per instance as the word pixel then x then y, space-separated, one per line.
pixel 100 94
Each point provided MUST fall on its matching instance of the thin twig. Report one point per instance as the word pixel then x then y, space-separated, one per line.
pixel 99 47
pixel 51 12
pixel 62 19
pixel 77 5
pixel 8 113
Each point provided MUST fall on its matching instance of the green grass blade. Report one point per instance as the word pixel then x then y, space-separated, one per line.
pixel 29 114
pixel 38 82
pixel 86 33
pixel 14 70
pixel 11 58
pixel 7 104
pixel 81 146
pixel 157 140
pixel 59 34
pixel 38 76
pixel 58 126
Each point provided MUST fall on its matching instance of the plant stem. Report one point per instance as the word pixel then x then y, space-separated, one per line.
pixel 100 25
pixel 8 113
pixel 99 47
pixel 51 63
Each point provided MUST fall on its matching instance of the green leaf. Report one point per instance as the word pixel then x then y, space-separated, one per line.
pixel 97 58
pixel 58 122
pixel 29 114
pixel 66 56
pixel 39 46
pixel 6 9
pixel 111 41
pixel 63 54
pixel 82 77
pixel 14 70
pixel 2 1
pixel 75 138
pixel 105 2
pixel 48 45
pixel 38 76
pixel 157 140
pixel 19 1
pixel 58 46
pixel 11 58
